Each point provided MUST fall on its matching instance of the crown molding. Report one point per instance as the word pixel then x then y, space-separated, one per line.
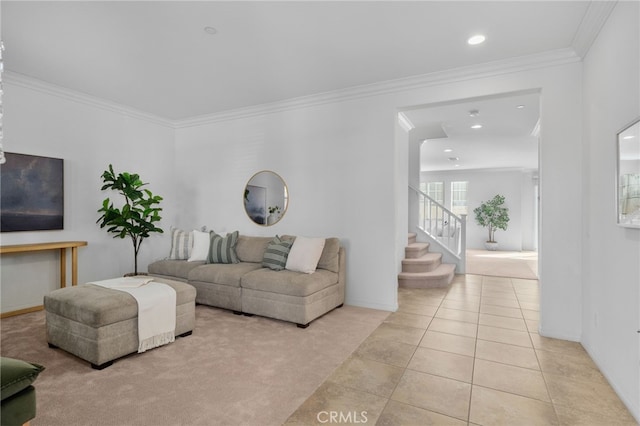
pixel 536 130
pixel 596 15
pixel 31 83
pixel 405 123
pixel 489 69
pixel 480 170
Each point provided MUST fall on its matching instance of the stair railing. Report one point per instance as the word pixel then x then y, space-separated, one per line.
pixel 443 226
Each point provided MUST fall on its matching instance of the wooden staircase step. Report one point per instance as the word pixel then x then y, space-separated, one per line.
pixel 439 277
pixel 416 250
pixel 425 263
pixel 412 237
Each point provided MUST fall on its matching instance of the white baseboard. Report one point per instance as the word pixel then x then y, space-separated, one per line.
pixel 371 305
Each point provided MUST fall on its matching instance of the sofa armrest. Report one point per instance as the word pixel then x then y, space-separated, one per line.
pixel 18 396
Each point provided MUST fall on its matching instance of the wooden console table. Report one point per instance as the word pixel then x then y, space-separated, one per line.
pixel 58 245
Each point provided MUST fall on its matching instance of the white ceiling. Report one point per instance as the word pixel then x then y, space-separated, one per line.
pixel 507 139
pixel 155 56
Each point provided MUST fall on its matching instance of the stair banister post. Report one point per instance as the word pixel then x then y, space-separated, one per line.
pixel 448 229
pixel 463 244
pixel 427 211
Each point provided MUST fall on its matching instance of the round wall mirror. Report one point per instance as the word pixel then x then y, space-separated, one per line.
pixel 266 198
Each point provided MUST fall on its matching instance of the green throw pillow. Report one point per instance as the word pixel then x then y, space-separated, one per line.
pixel 275 256
pixel 16 375
pixel 181 244
pixel 223 249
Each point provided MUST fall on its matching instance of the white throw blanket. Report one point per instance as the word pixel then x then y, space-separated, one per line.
pixel 156 309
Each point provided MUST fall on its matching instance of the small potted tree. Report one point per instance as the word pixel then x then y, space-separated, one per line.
pixel 274 212
pixel 138 215
pixel 493 215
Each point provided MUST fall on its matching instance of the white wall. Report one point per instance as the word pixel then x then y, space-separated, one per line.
pixel 629 167
pixel 611 90
pixel 529 210
pixel 88 138
pixel 320 152
pixel 413 144
pixel 403 179
pixel 346 178
pixel 514 185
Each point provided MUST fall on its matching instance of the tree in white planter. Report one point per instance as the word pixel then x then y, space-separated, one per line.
pixel 493 215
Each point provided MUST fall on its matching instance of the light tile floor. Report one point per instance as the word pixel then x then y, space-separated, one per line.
pixel 467 355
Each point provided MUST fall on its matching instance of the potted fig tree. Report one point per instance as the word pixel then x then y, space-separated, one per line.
pixel 493 215
pixel 138 215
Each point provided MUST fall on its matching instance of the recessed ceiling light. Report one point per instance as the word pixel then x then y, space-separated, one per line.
pixel 474 113
pixel 456 165
pixel 520 106
pixel 448 150
pixel 477 126
pixel 453 158
pixel 210 30
pixel 476 39
pixel 629 137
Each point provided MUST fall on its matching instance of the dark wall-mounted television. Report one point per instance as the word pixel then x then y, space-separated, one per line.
pixel 31 193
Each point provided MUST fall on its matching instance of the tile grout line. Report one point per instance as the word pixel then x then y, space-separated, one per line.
pixel 475 353
pixel 407 368
pixel 471 384
pixel 544 378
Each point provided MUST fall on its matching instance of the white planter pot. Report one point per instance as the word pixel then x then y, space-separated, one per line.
pixel 492 246
pixel 271 219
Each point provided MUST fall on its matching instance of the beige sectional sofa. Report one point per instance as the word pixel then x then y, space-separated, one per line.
pixel 249 288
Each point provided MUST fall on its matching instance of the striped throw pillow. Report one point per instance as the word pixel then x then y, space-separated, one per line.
pixel 223 249
pixel 275 256
pixel 181 243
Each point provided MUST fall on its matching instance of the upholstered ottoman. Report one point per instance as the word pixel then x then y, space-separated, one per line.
pixel 100 324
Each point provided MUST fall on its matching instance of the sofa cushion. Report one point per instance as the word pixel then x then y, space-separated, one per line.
pixel 16 375
pixel 181 243
pixel 329 259
pixel 19 408
pixel 275 256
pixel 200 250
pixel 223 273
pixel 305 254
pixel 330 255
pixel 289 282
pixel 173 268
pixel 223 249
pixel 251 249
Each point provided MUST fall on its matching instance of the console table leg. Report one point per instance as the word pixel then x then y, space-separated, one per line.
pixel 74 265
pixel 63 267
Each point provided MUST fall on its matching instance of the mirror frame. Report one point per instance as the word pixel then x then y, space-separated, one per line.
pixel 286 199
pixel 621 220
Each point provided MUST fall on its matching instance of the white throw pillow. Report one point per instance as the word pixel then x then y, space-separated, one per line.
pixel 305 254
pixel 200 249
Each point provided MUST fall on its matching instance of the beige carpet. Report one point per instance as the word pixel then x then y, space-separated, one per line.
pixel 233 370
pixel 511 264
